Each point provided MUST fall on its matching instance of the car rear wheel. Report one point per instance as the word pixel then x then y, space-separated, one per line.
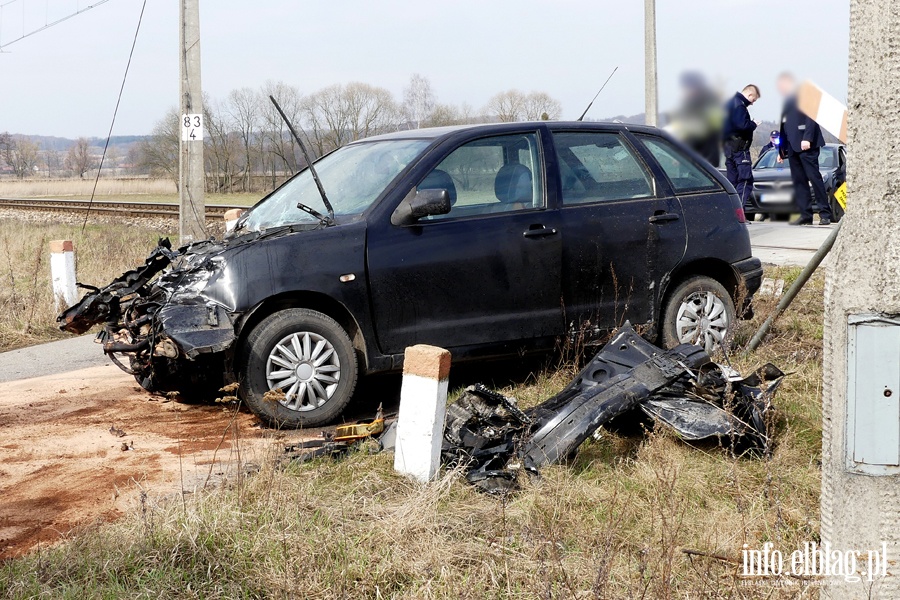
pixel 299 369
pixel 699 311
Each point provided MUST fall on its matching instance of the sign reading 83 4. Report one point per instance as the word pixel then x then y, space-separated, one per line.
pixel 192 127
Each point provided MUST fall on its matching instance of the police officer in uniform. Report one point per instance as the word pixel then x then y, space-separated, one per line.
pixel 801 138
pixel 774 141
pixel 737 136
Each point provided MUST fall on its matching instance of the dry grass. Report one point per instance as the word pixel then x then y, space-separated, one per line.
pixel 609 525
pixel 135 189
pixel 102 252
pixel 63 188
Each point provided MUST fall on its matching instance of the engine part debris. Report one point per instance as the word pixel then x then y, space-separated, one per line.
pixel 360 431
pixel 679 388
pixel 337 443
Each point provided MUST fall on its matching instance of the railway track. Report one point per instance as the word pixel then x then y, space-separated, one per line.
pixel 108 207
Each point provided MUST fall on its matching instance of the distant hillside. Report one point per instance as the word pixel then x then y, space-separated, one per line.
pixel 60 144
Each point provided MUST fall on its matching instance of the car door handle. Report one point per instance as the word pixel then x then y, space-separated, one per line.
pixel 536 231
pixel 663 217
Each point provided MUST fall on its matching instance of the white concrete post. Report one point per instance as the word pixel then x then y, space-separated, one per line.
pixel 651 95
pixel 860 504
pixel 62 273
pixel 231 218
pixel 423 406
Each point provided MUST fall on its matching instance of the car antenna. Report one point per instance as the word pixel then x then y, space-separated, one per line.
pixel 581 118
pixel 309 162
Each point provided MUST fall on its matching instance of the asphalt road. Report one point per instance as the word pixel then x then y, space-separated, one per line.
pixel 49 359
pixel 773 243
pixel 786 245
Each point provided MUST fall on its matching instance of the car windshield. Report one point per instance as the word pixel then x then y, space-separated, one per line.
pixel 769 160
pixel 353 177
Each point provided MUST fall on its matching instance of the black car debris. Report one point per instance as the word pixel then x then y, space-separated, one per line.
pixel 773 191
pixel 487 240
pixel 493 440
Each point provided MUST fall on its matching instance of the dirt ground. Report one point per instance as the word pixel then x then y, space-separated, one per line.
pixel 80 447
pixel 64 463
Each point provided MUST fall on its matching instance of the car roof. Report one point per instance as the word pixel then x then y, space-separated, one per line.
pixel 435 133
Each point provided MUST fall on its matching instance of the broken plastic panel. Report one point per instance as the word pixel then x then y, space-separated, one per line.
pixel 679 388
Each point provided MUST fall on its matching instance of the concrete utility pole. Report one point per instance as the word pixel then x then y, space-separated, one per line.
pixel 651 97
pixel 191 174
pixel 861 402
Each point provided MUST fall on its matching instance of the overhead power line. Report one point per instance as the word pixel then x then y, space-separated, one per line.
pixel 115 112
pixel 46 26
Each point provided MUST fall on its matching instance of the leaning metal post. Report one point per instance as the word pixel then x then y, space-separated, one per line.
pixel 795 288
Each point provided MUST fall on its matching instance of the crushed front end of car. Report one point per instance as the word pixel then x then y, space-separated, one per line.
pixel 158 322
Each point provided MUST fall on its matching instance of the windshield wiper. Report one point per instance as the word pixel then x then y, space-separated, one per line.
pixel 323 219
pixel 312 170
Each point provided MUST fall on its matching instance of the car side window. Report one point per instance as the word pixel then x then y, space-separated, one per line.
pixel 599 166
pixel 684 175
pixel 491 175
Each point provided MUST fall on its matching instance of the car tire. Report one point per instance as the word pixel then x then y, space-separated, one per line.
pixel 309 354
pixel 699 311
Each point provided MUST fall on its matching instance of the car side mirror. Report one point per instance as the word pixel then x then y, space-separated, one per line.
pixel 421 203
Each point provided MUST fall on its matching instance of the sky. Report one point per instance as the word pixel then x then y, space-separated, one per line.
pixel 64 81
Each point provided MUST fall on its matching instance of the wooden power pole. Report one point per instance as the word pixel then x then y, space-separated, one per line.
pixel 651 96
pixel 191 173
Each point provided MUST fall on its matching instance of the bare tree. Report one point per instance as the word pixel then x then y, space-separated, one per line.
pixel 134 159
pixel 444 114
pixel 20 153
pixel 222 148
pixel 418 100
pixel 79 158
pixel 112 159
pixel 508 106
pixel 541 106
pixel 243 110
pixel 279 142
pixel 339 114
pixel 52 161
pixel 513 105
pixel 324 117
pixel 371 110
pixel 159 154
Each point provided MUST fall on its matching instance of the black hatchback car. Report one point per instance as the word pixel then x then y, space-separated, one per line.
pixel 773 191
pixel 488 240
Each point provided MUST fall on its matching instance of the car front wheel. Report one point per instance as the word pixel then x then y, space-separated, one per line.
pixel 699 311
pixel 299 369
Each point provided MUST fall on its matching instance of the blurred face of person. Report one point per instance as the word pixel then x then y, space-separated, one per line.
pixel 786 85
pixel 751 95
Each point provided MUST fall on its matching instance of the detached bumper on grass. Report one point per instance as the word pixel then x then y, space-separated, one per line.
pixel 680 388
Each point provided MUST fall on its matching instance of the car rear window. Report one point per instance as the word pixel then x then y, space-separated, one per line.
pixel 683 173
pixel 598 167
